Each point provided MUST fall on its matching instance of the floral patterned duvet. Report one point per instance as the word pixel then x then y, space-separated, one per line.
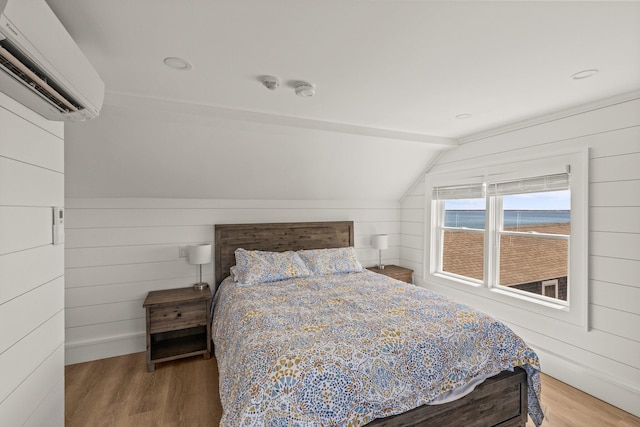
pixel 344 349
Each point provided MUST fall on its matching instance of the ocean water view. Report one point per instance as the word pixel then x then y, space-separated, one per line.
pixel 476 218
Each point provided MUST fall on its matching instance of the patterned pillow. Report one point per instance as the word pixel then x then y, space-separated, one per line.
pixel 330 261
pixel 260 266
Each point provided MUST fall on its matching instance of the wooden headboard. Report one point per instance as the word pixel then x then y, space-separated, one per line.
pixel 277 237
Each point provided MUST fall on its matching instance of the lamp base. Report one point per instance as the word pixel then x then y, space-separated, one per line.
pixel 201 286
pixel 380 266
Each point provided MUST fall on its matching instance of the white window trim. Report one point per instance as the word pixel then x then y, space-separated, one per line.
pixel 547 283
pixel 576 310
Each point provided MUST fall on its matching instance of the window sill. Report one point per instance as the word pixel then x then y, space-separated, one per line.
pixel 447 277
pixel 552 305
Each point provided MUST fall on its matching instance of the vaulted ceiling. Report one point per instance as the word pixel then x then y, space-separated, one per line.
pixel 391 78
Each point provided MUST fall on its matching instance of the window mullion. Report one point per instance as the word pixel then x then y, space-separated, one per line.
pixel 494 215
pixel 440 235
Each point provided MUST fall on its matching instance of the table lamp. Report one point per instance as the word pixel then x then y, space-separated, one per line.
pixel 198 255
pixel 380 242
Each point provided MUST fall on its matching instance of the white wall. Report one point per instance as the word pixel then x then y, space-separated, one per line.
pixel 604 361
pixel 31 269
pixel 117 250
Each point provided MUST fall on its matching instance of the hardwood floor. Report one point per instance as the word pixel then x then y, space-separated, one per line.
pixel 120 392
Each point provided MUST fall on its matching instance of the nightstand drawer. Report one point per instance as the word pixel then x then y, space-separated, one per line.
pixel 398 273
pixel 178 316
pixel 404 277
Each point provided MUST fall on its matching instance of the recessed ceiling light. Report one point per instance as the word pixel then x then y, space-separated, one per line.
pixel 584 74
pixel 463 116
pixel 178 63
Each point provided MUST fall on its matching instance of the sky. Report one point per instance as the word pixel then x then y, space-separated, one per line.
pixel 551 200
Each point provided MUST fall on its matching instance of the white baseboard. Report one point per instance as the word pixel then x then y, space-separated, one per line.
pixel 591 381
pixel 104 348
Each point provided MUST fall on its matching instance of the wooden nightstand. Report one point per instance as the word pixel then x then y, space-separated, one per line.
pixel 399 273
pixel 178 324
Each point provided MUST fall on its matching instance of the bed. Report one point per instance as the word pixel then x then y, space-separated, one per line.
pixel 334 349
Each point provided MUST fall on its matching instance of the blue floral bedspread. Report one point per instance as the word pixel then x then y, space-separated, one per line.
pixel 344 349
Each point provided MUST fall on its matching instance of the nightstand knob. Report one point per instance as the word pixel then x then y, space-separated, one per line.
pixel 179 314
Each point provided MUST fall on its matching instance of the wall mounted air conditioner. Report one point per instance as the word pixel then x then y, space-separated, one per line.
pixel 42 67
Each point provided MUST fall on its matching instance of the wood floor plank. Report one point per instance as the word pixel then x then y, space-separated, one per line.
pixel 565 406
pixel 119 392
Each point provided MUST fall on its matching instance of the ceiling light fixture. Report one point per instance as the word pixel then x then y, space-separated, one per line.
pixel 463 116
pixel 584 74
pixel 178 63
pixel 305 89
pixel 270 82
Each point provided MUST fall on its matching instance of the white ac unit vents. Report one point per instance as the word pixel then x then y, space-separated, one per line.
pixel 42 67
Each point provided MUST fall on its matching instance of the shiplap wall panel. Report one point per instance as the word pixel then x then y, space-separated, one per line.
pixel 17 269
pixel 50 412
pixel 615 270
pixel 413 242
pixel 31 269
pixel 120 249
pixel 616 322
pixel 46 187
pixel 24 228
pixel 22 141
pixel 117 292
pixel 616 245
pixel 27 354
pixel 83 218
pixel 113 255
pixel 367 228
pixel 608 353
pixel 615 193
pixel 121 273
pixel 18 408
pixel 103 237
pixel 412 215
pixel 613 295
pixel 618 219
pixel 104 313
pixel 620 167
pixel 413 228
pixel 626 142
pixel 20 316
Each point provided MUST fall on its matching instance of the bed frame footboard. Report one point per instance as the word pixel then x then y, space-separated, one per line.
pixel 500 401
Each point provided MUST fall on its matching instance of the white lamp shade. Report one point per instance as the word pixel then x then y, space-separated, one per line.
pixel 380 241
pixel 200 254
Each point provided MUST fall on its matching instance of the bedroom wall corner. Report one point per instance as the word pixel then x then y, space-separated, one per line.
pixel 31 268
pixel 117 250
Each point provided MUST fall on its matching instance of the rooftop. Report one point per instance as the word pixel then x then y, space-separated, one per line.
pixel 523 259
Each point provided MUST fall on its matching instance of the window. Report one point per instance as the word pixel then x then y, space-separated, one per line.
pixel 460 228
pixel 532 232
pixel 517 230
